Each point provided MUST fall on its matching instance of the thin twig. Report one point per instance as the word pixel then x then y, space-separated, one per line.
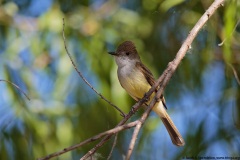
pixel 113 146
pixel 220 44
pixel 16 87
pixel 133 140
pixel 94 138
pixel 235 73
pixel 84 79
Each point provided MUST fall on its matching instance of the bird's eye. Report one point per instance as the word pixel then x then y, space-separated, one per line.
pixel 127 53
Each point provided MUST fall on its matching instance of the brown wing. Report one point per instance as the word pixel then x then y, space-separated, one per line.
pixel 149 76
pixel 147 73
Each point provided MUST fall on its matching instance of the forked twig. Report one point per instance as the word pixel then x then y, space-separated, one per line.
pixel 16 87
pixel 83 78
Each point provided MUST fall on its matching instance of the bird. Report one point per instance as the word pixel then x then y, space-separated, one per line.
pixel 137 79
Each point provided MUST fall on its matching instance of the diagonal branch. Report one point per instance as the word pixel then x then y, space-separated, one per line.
pixel 83 78
pixel 133 140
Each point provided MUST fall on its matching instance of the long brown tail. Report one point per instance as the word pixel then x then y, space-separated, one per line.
pixel 168 123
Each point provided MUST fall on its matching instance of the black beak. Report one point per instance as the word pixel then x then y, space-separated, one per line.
pixel 112 53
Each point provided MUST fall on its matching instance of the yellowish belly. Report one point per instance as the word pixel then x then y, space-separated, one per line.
pixel 135 84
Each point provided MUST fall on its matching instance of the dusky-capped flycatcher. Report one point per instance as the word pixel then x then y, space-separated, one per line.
pixel 137 79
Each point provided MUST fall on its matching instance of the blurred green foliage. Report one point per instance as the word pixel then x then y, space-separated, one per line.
pixel 203 96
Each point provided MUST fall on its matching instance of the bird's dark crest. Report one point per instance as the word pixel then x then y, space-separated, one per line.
pixel 126 46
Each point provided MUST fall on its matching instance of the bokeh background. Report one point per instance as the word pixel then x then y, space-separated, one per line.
pixel 203 96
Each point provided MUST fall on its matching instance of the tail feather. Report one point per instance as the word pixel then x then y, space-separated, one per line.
pixel 168 123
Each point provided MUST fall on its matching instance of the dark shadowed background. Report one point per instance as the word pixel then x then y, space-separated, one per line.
pixel 203 96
